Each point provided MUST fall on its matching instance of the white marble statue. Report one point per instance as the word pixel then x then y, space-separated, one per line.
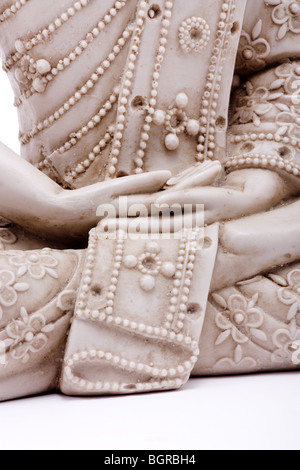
pixel 166 103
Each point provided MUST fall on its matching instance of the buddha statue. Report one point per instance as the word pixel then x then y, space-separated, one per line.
pixel 151 105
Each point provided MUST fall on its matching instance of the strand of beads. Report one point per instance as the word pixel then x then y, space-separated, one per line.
pixel 86 88
pixel 43 78
pixel 163 40
pixel 82 312
pixel 174 301
pixel 254 137
pixel 127 365
pixel 26 45
pixel 87 274
pixel 111 294
pixel 172 377
pixel 13 10
pixel 75 137
pixel 126 90
pixel 182 283
pixel 271 162
pixel 82 167
pixel 149 331
pixel 159 378
pixel 206 145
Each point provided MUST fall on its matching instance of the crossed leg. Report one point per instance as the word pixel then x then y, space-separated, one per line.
pixel 38 291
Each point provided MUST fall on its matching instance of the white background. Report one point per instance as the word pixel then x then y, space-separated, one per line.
pixel 251 412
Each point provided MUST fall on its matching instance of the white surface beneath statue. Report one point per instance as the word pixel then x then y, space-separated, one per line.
pixel 232 413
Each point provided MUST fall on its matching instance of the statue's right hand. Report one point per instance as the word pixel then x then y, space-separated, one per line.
pixel 76 211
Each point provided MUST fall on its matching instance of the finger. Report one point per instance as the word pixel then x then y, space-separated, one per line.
pixel 192 196
pixel 207 176
pixel 203 219
pixel 203 175
pixel 186 174
pixel 132 205
pixel 145 183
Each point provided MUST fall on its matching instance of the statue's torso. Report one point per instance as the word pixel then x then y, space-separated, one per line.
pixel 179 68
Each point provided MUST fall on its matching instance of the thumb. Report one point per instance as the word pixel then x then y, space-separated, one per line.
pixel 202 175
pixel 140 184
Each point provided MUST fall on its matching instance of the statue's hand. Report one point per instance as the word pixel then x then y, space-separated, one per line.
pixel 239 194
pixel 242 193
pixel 203 174
pixel 197 176
pixel 29 198
pixel 77 209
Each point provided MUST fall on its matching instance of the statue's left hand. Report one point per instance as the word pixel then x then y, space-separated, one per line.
pixel 239 194
pixel 242 193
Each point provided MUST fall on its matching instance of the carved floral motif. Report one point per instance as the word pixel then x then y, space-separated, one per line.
pixel 9 289
pixel 237 363
pixel 150 266
pixel 285 14
pixel 36 264
pixel 27 335
pixel 252 104
pixel 278 102
pixel 241 319
pixel 66 300
pixel 253 50
pixel 289 293
pixel 289 77
pixel 289 123
pixel 285 339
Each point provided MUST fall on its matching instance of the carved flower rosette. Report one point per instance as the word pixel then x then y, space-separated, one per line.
pixel 286 16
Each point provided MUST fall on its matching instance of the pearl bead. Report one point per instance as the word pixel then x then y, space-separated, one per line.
pixel 147 283
pixel 20 75
pixel 193 127
pixel 172 142
pixel 159 118
pixel 182 100
pixel 19 46
pixel 38 85
pixel 130 261
pixel 43 66
pixel 168 270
